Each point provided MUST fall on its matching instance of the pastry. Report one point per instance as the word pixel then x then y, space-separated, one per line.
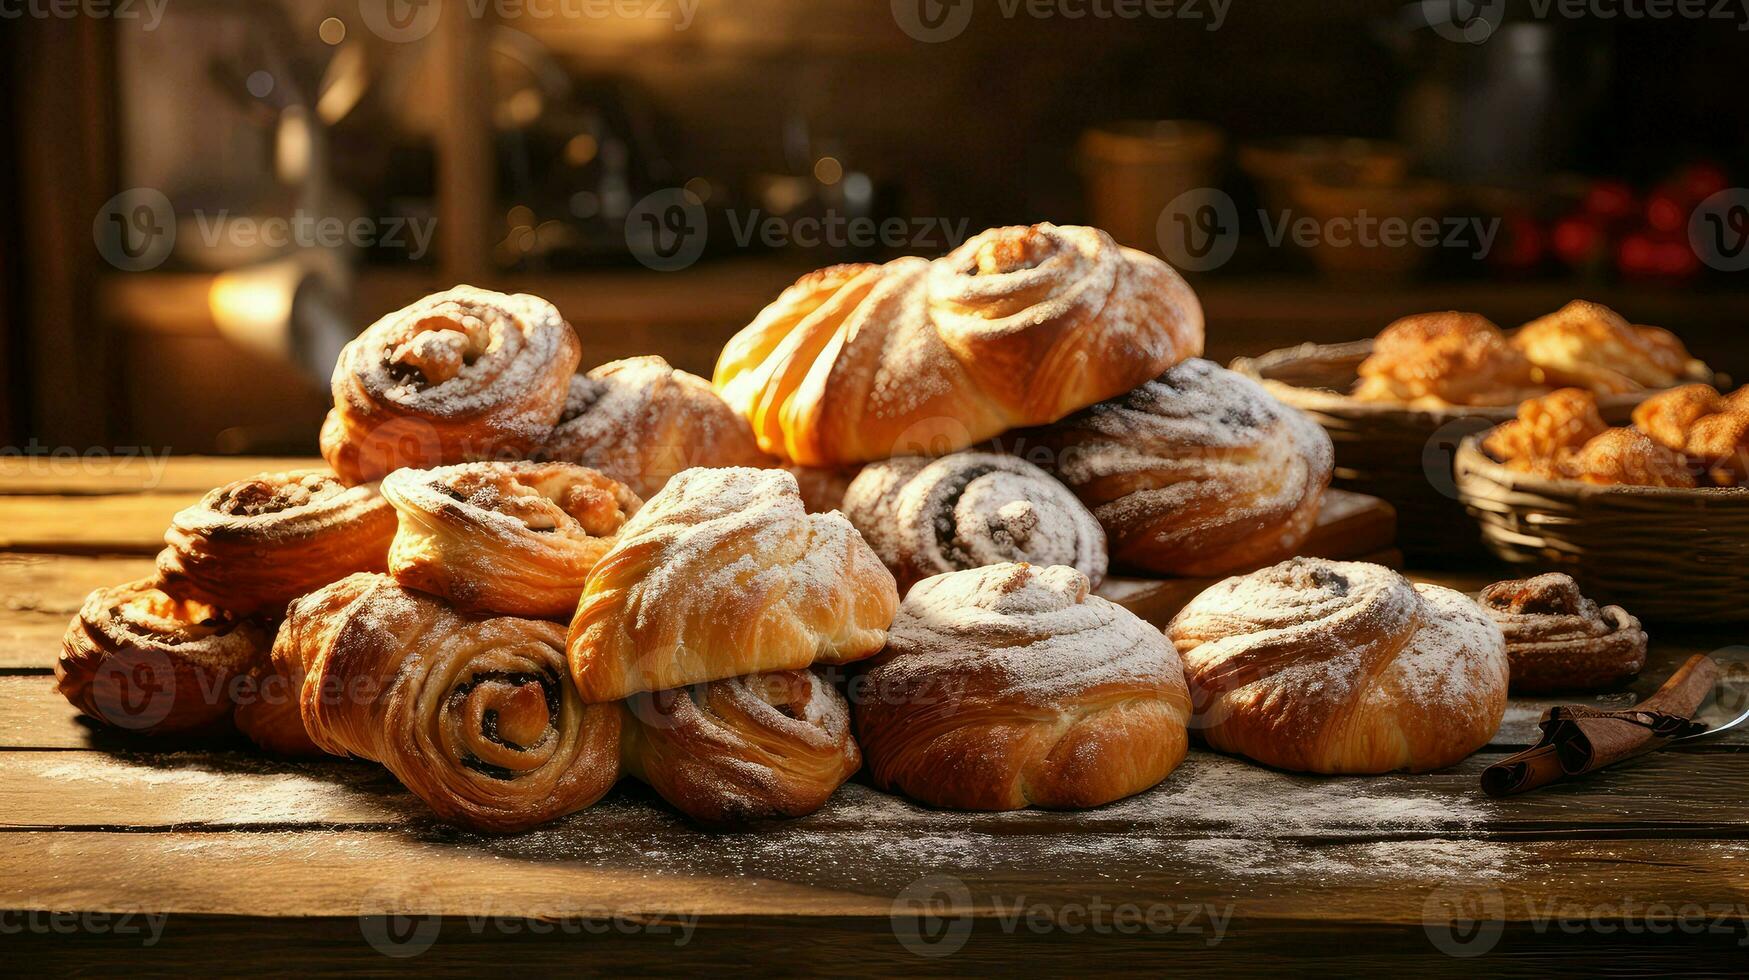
pixel 1198 472
pixel 1629 457
pixel 254 545
pixel 516 539
pixel 140 659
pixel 460 375
pixel 1706 427
pixel 1436 360
pixel 1010 686
pixel 742 749
pixel 1547 433
pixel 640 422
pixel 472 714
pixel 1589 345
pixel 1558 640
pixel 927 516
pixel 1341 667
pixel 823 487
pixel 723 574
pixel 1018 326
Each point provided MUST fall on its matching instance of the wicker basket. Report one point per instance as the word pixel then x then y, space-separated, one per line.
pixel 1661 553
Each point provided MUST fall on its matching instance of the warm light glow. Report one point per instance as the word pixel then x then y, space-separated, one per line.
pixel 828 171
pixel 292 149
pixel 581 149
pixel 332 31
pixel 519 216
pixel 252 307
pixel 699 188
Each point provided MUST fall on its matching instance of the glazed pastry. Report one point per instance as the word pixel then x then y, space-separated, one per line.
pixel 516 539
pixel 1629 457
pixel 1547 433
pixel 140 659
pixel 472 714
pixel 1198 472
pixel 1558 640
pixel 742 749
pixel 1589 345
pixel 1436 360
pixel 1707 428
pixel 925 517
pixel 460 375
pixel 1010 686
pixel 723 574
pixel 254 545
pixel 1018 326
pixel 1341 667
pixel 640 422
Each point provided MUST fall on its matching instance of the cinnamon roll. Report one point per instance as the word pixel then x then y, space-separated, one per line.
pixel 743 749
pixel 254 545
pixel 460 375
pixel 1436 360
pixel 140 659
pixel 969 509
pixel 510 538
pixel 1559 640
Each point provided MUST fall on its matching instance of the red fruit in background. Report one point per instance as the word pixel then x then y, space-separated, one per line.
pixel 1612 202
pixel 1647 255
pixel 1522 245
pixel 1699 181
pixel 1667 211
pixel 1578 240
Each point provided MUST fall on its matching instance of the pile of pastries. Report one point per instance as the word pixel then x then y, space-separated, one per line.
pixel 519 583
pixel 1687 437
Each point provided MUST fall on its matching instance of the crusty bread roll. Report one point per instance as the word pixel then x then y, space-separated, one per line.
pixel 1341 667
pixel 1018 326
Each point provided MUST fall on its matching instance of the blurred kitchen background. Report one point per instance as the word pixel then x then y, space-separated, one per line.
pixel 649 167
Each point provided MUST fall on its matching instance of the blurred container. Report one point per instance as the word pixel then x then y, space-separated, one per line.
pixel 1275 165
pixel 1356 254
pixel 1134 168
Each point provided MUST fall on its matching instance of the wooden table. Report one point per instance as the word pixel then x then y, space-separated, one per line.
pixel 161 856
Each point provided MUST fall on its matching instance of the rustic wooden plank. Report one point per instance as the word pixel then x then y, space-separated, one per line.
pixel 130 524
pixel 39 595
pixel 140 471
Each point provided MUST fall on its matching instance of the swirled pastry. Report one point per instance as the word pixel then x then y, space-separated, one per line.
pixel 1198 472
pixel 140 659
pixel 1010 686
pixel 1341 667
pixel 254 545
pixel 640 422
pixel 1707 428
pixel 1018 326
pixel 472 714
pixel 1559 640
pixel 742 749
pixel 1589 345
pixel 1435 360
pixel 724 574
pixel 460 375
pixel 969 509
pixel 511 538
pixel 1629 457
pixel 1548 432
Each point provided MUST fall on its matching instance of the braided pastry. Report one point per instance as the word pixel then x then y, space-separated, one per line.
pixel 969 509
pixel 722 574
pixel 1009 686
pixel 742 749
pixel 1198 472
pixel 1589 345
pixel 511 538
pixel 1558 640
pixel 1341 667
pixel 640 422
pixel 1018 326
pixel 463 374
pixel 254 545
pixel 1435 360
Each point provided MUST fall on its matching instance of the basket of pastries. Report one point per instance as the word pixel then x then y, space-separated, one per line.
pixel 1398 405
pixel 1654 514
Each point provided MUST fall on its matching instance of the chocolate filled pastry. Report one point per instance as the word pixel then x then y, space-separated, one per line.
pixel 473 714
pixel 1629 457
pixel 460 375
pixel 969 509
pixel 254 545
pixel 1198 472
pixel 1558 640
pixel 742 749
pixel 1341 667
pixel 724 574
pixel 511 538
pixel 1010 686
pixel 1548 432
pixel 1589 345
pixel 1707 428
pixel 1436 360
pixel 640 421
pixel 1018 326
pixel 142 660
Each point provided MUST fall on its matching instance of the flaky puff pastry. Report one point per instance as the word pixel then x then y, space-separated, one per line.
pixel 254 545
pixel 1341 667
pixel 460 375
pixel 1010 686
pixel 641 421
pixel 1629 457
pixel 1706 427
pixel 1589 345
pixel 723 574
pixel 1547 433
pixel 742 749
pixel 473 714
pixel 511 538
pixel 142 660
pixel 1018 326
pixel 1435 360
